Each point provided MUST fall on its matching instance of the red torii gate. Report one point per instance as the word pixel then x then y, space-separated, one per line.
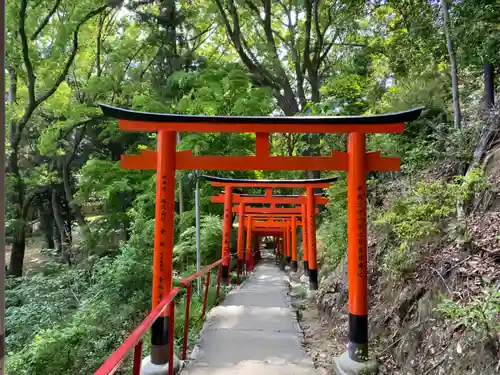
pixel 262 223
pixel 288 213
pixel 300 211
pixel 253 223
pixel 166 160
pixel 309 230
pixel 308 202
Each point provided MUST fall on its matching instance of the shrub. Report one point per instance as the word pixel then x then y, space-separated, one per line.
pixel 210 242
pixel 333 231
pixel 480 317
pixel 421 214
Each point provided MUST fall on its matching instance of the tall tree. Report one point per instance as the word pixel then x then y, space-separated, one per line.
pixel 457 116
pixel 289 43
pixel 46 49
pixel 290 47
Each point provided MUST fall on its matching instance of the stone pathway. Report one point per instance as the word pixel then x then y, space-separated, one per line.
pixel 255 331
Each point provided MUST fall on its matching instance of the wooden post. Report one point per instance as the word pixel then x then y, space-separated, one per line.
pixel 163 242
pixel 311 240
pixel 305 247
pixel 226 234
pixel 294 243
pixel 357 249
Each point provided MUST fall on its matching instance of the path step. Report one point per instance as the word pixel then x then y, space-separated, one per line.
pixel 254 331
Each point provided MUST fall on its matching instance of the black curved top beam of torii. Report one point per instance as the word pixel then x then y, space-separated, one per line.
pixel 262 127
pixel 388 118
pixel 276 196
pixel 269 184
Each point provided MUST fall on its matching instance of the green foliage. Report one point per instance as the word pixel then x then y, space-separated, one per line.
pixel 221 90
pixel 108 190
pixel 480 316
pixel 422 213
pixel 39 302
pixel 333 230
pixel 86 313
pixel 187 219
pixel 92 331
pixel 474 26
pixel 418 215
pixel 103 184
pixel 116 297
pixel 210 242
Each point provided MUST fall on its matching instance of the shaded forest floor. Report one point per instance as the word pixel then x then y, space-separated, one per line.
pixel 34 258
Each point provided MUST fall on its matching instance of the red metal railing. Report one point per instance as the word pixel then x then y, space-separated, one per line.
pixel 188 282
pixel 134 340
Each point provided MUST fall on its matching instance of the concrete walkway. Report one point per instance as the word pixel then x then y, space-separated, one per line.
pixel 254 332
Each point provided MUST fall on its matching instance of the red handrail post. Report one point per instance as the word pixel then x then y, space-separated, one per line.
pixel 136 369
pixel 205 298
pixel 186 322
pixel 171 336
pixel 218 282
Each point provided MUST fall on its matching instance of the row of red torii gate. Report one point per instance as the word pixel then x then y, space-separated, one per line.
pixel 275 216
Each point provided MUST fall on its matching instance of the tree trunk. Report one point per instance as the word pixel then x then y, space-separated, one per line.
pixel 19 238
pixel 16 198
pixel 454 90
pixel 57 238
pixel 453 65
pixel 61 228
pixel 17 253
pixel 46 225
pixel 489 86
pixel 75 208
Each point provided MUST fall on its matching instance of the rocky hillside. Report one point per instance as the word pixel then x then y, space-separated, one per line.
pixel 434 284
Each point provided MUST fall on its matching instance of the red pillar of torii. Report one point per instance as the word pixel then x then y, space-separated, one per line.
pixel 357 162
